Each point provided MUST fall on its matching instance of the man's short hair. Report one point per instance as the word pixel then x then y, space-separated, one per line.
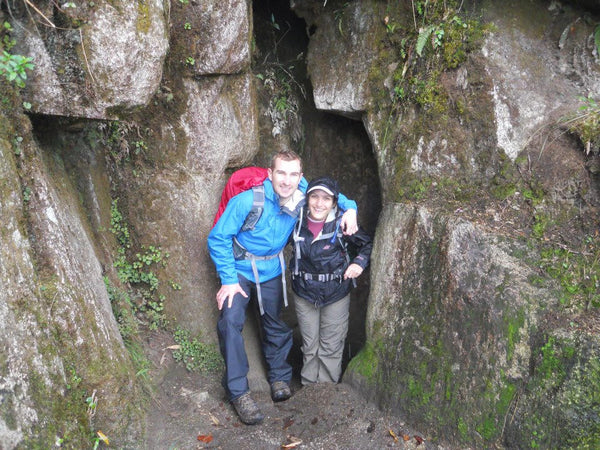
pixel 285 155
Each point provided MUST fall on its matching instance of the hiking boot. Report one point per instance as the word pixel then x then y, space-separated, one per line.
pixel 280 391
pixel 248 410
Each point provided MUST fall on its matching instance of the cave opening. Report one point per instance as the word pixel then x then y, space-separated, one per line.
pixel 330 144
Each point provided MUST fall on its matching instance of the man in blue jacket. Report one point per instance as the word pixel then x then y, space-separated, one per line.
pixel 250 264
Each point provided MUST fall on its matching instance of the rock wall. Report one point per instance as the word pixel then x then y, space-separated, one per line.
pixel 59 337
pixel 451 318
pixel 106 60
pixel 459 336
pixel 93 59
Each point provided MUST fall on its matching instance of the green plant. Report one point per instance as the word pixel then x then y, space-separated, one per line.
pixel 138 270
pixel 281 103
pixel 390 26
pixel 75 379
pixel 194 354
pixel 140 362
pixel 187 26
pixel 398 93
pixel 92 404
pixel 423 38
pixel 140 146
pixel 540 224
pixel 338 15
pixel 274 24
pixel 7 41
pixel 190 61
pixel 99 437
pixel 577 272
pixel 283 89
pixel 14 67
pixel 123 309
pixel 586 125
pixel 118 226
pixel 26 194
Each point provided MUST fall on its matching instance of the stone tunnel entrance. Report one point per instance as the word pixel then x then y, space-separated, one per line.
pixel 329 144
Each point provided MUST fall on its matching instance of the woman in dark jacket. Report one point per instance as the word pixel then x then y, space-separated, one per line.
pixel 322 276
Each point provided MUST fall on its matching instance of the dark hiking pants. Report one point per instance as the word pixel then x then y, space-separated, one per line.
pixel 276 336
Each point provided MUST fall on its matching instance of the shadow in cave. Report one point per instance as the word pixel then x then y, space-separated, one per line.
pixel 330 145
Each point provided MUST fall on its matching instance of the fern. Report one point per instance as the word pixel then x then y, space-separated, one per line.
pixel 424 34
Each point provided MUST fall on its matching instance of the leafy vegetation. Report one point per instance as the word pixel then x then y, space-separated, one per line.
pixel 138 270
pixel 586 125
pixel 577 271
pixel 284 91
pixel 438 33
pixel 13 67
pixel 195 354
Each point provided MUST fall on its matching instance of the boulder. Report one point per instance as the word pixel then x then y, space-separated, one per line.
pixel 96 60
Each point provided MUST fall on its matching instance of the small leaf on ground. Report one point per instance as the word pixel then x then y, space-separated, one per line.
pixel 215 421
pixel 206 438
pixel 292 442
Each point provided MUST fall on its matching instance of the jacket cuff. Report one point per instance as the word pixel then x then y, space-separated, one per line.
pixel 361 261
pixel 229 280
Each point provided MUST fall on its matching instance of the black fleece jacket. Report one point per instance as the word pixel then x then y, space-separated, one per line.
pixel 326 255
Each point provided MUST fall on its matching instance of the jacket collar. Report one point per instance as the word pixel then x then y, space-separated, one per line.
pixel 294 204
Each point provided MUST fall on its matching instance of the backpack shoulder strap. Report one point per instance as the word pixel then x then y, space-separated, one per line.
pixel 258 206
pixel 297 239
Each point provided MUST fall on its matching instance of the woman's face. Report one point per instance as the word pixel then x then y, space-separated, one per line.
pixel 320 203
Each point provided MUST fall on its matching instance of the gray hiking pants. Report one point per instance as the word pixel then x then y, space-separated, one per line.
pixel 323 332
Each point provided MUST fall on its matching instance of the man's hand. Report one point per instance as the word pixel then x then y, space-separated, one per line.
pixel 349 224
pixel 353 271
pixel 227 292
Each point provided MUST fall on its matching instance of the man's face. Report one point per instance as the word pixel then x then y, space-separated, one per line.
pixel 285 176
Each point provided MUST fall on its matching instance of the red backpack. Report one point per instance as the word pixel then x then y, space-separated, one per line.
pixel 241 180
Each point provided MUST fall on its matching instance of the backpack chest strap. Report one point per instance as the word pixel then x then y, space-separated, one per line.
pixel 240 253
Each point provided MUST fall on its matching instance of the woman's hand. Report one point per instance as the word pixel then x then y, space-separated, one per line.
pixel 353 271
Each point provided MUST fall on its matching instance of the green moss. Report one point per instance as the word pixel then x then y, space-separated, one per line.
pixel 195 354
pixel 366 363
pixel 551 370
pixel 430 95
pixel 67 410
pixel 143 19
pixel 487 429
pixel 513 323
pixel 463 429
pixel 489 426
pixel 576 271
pixel 558 407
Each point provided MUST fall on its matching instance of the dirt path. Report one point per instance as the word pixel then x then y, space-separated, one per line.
pixel 190 411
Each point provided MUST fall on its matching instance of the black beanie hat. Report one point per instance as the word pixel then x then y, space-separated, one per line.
pixel 325 184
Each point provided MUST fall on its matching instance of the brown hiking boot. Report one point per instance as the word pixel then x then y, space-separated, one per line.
pixel 280 391
pixel 248 410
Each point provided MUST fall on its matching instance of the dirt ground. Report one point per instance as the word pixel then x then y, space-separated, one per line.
pixel 190 411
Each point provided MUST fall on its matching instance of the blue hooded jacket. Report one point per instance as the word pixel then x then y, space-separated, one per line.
pixel 269 236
